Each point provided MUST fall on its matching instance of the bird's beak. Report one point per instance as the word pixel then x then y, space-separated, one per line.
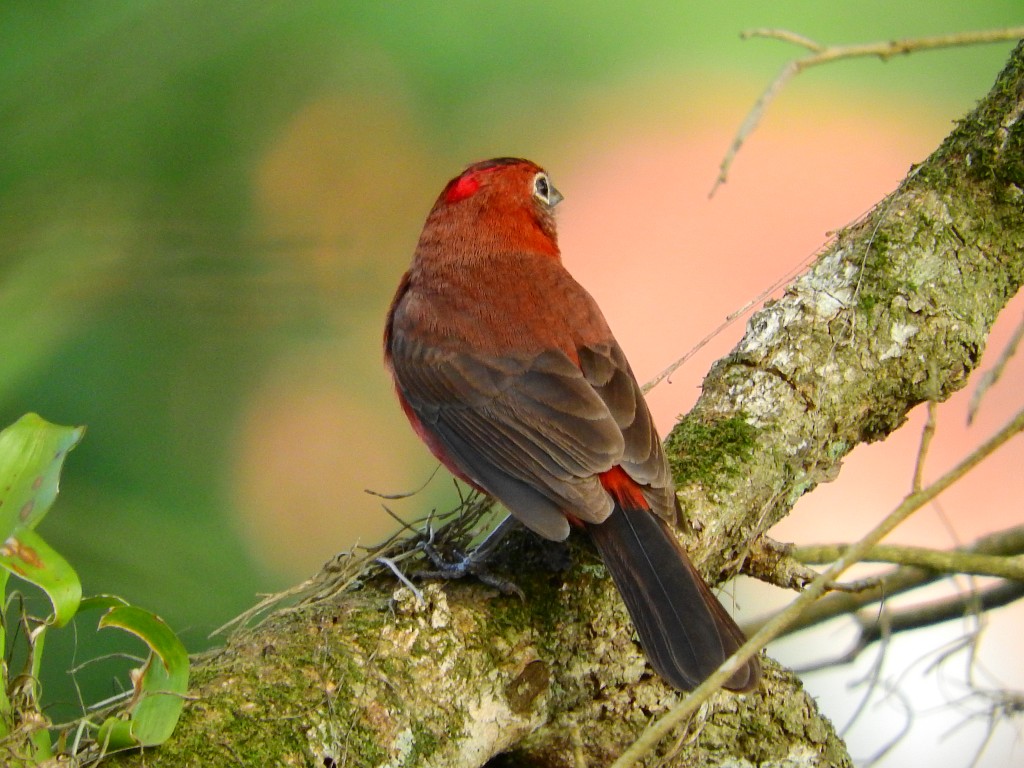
pixel 555 197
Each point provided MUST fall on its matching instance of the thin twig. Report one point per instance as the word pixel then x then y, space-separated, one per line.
pixel 402 578
pixel 405 494
pixel 822 54
pixel 896 582
pixel 908 722
pixel 991 376
pixel 872 678
pixel 729 320
pixel 942 561
pixel 774 627
pixel 926 440
pixel 929 614
pixel 941 611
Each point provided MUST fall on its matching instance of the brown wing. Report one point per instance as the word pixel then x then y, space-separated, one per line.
pixel 535 430
pixel 606 369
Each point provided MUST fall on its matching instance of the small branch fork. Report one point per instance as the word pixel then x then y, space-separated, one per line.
pixel 918 568
pixel 936 560
pixel 822 54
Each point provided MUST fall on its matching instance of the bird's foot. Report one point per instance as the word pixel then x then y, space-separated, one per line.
pixel 462 565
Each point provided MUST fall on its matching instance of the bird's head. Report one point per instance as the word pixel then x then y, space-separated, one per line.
pixel 504 203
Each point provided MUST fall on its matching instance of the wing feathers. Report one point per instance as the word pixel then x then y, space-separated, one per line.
pixel 543 420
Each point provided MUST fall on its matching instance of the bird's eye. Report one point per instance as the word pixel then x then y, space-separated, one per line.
pixel 544 190
pixel 541 186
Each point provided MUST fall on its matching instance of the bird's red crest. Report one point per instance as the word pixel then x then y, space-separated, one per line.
pixel 461 188
pixel 469 182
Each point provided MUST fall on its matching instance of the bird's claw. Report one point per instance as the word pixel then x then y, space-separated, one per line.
pixel 462 566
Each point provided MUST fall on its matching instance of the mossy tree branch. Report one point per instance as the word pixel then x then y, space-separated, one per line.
pixel 894 312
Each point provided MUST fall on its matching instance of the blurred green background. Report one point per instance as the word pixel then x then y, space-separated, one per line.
pixel 205 207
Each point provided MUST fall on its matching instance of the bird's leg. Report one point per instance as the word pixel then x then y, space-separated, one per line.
pixel 473 564
pixel 483 551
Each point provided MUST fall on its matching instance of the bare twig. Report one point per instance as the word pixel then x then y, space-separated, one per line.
pixel 774 563
pixel 873 630
pixel 345 569
pixel 872 678
pixel 926 440
pixel 703 342
pixel 729 320
pixel 822 54
pixel 941 611
pixel 941 561
pixel 405 494
pixel 991 376
pixel 387 561
pixel 895 693
pixel 1002 705
pixel 898 581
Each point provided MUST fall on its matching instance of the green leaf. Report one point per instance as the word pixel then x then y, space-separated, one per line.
pixel 32 453
pixel 160 685
pixel 26 554
pixel 99 602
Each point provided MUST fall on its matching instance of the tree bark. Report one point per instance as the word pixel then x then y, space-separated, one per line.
pixel 894 312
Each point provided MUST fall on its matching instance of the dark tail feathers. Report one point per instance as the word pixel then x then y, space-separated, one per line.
pixel 684 630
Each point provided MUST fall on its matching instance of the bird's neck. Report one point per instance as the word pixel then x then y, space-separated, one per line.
pixel 470 232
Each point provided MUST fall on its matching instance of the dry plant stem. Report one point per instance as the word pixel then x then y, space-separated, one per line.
pixel 729 320
pixel 931 559
pixel 648 386
pixel 822 54
pixel 886 49
pixel 773 628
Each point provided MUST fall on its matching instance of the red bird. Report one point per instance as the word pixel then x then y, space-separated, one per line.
pixel 508 371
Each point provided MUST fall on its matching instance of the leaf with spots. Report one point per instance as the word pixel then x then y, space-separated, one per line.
pixel 32 453
pixel 26 555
